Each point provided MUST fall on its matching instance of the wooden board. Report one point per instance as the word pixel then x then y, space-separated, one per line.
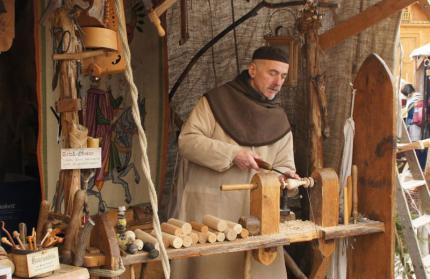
pixel 290 232
pixel 374 155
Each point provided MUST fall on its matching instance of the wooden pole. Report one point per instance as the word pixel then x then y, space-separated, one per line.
pixel 361 21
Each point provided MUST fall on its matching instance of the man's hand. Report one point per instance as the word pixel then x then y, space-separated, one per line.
pixel 245 159
pixel 287 174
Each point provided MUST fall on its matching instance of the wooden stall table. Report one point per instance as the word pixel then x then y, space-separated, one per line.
pixel 290 232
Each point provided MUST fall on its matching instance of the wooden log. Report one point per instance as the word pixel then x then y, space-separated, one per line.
pixel 234 226
pixel 220 236
pixel 146 237
pixel 187 241
pixel 194 237
pixel 171 229
pixel 199 227
pixel 172 240
pixel 244 233
pixel 202 237
pixel 214 222
pixel 185 226
pixel 230 234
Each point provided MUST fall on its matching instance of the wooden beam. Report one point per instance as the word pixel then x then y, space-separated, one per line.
pixel 361 21
pixel 425 6
pixel 290 232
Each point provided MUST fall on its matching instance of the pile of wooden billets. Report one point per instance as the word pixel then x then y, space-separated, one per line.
pixel 178 233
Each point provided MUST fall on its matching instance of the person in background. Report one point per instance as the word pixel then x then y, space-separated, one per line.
pixel 414 118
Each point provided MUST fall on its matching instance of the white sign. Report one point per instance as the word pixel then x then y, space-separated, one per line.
pixel 43 261
pixel 81 158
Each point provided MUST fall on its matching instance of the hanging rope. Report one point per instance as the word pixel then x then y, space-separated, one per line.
pixel 143 144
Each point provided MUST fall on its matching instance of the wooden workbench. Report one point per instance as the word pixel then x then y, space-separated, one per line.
pixel 290 232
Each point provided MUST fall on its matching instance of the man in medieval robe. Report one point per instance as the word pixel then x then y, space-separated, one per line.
pixel 229 128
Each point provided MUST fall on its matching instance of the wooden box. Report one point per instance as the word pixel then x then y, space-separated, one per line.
pixel 32 263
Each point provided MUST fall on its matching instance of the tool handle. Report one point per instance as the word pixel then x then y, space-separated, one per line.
pixel 263 164
pixel 234 187
pixel 354 174
pixel 156 21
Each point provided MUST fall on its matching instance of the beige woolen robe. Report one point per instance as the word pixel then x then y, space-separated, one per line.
pixel 207 162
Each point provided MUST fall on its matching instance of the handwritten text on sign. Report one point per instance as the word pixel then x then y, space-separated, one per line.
pixel 81 158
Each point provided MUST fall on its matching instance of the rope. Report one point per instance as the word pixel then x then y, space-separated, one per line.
pixel 144 162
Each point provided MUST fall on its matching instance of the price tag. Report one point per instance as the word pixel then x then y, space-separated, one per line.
pixel 81 158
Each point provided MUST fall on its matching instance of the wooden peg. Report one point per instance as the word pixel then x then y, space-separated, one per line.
pixel 22 232
pixel 214 223
pixel 172 229
pixel 30 242
pixel 6 241
pixel 244 233
pixel 220 236
pixel 147 238
pixel 187 241
pixel 48 233
pixel 185 226
pixel 199 227
pixel 16 235
pixel 230 234
pixel 234 226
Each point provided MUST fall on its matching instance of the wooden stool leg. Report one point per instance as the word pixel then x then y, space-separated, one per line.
pixel 247 266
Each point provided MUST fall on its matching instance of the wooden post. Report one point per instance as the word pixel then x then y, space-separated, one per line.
pixel 69 180
pixel 308 24
pixel 325 213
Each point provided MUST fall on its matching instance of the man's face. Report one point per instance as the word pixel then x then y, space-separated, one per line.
pixel 267 76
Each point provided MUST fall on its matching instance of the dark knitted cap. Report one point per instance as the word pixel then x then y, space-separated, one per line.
pixel 270 53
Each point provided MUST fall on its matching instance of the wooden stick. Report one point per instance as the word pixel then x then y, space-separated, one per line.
pixel 186 227
pixel 211 237
pixel 234 226
pixel 187 241
pixel 43 217
pixel 78 55
pixel 171 229
pixel 16 235
pixel 230 234
pixel 220 236
pixel 22 232
pixel 247 265
pixel 30 242
pixel 291 264
pixel 354 173
pixel 199 227
pixel 244 233
pixel 201 237
pixel 172 240
pixel 194 237
pixel 10 238
pixel 235 187
pixel 6 241
pixel 146 237
pixel 215 223
pixel 48 233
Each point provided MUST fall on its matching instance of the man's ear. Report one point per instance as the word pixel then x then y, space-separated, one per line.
pixel 252 69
